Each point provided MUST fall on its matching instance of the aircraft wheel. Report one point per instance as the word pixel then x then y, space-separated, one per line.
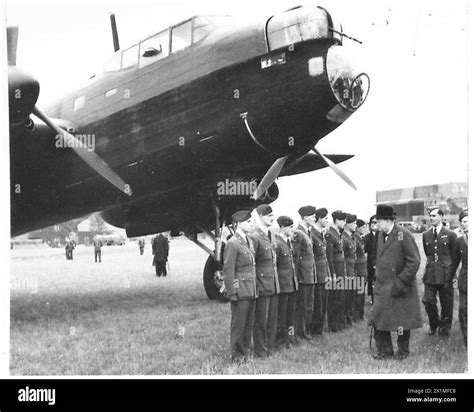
pixel 213 281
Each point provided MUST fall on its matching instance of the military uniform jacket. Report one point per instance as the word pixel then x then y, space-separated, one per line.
pixel 304 257
pixel 370 240
pixel 460 256
pixel 350 255
pixel 239 268
pixel 361 261
pixel 320 257
pixel 335 254
pixel 438 252
pixel 396 302
pixel 265 263
pixel 286 266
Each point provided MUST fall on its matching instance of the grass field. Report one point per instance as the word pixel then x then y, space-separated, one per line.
pixel 117 318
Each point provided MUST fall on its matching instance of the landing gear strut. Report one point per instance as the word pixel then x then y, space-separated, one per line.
pixel 212 274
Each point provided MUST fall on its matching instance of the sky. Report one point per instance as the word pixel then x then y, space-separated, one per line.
pixel 412 130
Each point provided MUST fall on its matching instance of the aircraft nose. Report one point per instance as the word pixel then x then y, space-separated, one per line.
pixel 23 92
pixel 349 84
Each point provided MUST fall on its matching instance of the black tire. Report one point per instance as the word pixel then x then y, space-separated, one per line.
pixel 212 284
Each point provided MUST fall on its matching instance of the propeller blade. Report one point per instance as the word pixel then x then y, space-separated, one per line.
pixel 335 169
pixel 92 159
pixel 12 42
pixel 271 175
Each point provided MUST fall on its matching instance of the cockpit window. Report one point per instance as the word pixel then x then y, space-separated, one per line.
pixel 181 36
pixel 154 48
pixel 296 25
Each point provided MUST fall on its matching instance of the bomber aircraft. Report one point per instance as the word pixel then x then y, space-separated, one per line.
pixel 212 99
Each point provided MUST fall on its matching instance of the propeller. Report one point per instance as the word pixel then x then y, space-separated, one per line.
pixel 335 169
pixel 274 171
pixel 91 158
pixel 23 94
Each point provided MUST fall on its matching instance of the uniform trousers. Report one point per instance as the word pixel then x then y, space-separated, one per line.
pixel 319 308
pixel 286 318
pixel 265 325
pixel 241 326
pixel 304 309
pixel 446 298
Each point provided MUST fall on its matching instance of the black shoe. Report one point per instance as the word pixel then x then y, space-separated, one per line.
pixel 443 332
pixel 401 355
pixel 382 355
pixel 432 332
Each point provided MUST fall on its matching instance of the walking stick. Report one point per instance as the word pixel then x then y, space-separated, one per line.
pixel 371 334
pixel 168 268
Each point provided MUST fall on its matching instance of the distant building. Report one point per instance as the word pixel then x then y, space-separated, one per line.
pixel 412 203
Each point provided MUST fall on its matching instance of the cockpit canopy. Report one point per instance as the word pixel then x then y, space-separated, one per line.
pixel 299 24
pixel 162 44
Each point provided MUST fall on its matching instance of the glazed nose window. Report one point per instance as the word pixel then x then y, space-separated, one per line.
pixel 349 84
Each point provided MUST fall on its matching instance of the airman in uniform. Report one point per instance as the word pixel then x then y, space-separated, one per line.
pixel 337 272
pixel 240 284
pixel 266 307
pixel 360 270
pixel 350 257
pixel 438 244
pixel 322 271
pixel 371 249
pixel 305 270
pixel 396 304
pixel 288 283
pixel 460 256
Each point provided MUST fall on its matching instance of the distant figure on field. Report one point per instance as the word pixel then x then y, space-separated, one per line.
pixel 97 249
pixel 141 245
pixel 69 248
pixel 160 249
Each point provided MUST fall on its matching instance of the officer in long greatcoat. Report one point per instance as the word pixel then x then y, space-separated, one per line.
pixel 240 284
pixel 350 257
pixel 322 271
pixel 396 303
pixel 288 283
pixel 360 270
pixel 305 270
pixel 460 256
pixel 438 244
pixel 337 272
pixel 266 306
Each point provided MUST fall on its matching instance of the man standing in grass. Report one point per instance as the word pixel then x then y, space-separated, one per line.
pixel 322 271
pixel 97 249
pixel 337 272
pixel 396 307
pixel 371 249
pixel 350 256
pixel 438 244
pixel 240 284
pixel 160 249
pixel 305 270
pixel 288 283
pixel 266 306
pixel 360 271
pixel 460 256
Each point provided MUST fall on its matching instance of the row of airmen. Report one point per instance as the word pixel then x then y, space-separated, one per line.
pixel 283 285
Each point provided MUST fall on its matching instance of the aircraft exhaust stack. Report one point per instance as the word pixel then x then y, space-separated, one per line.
pixel 115 38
